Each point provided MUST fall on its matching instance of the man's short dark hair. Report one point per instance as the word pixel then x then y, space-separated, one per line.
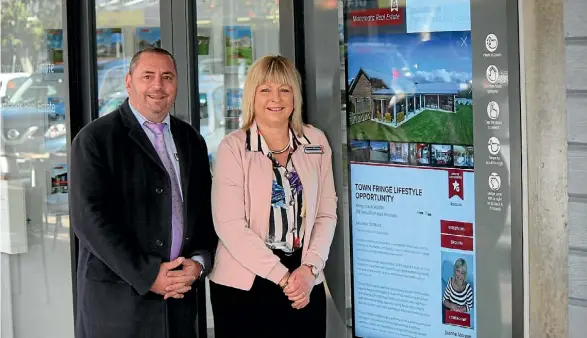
pixel 154 50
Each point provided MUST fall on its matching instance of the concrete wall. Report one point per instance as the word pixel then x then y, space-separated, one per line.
pixel 575 22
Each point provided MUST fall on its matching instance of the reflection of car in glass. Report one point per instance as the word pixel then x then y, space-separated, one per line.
pixel 111 103
pixel 34 112
pixel 111 79
pixel 9 82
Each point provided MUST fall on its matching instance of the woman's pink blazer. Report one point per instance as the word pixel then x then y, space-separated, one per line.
pixel 241 200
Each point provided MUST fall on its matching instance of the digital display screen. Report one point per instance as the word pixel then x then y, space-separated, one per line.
pixel 410 128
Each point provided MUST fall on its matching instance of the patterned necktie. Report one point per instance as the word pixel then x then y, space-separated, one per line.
pixel 176 201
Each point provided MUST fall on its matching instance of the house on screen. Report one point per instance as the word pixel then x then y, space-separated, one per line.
pixel 394 106
pixel 360 101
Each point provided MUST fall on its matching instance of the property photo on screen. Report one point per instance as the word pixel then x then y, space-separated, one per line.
pixel 379 151
pixel 411 87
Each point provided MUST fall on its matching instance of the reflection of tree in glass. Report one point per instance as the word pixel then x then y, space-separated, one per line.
pixel 21 36
pixel 23 24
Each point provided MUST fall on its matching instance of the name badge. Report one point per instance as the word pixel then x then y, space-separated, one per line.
pixel 176 157
pixel 312 149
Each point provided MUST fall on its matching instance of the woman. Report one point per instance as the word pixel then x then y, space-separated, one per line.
pixel 274 209
pixel 458 294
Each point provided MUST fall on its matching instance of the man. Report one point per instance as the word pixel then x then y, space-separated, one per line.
pixel 140 206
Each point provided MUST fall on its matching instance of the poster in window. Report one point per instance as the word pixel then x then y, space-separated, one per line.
pixel 109 43
pixel 238 48
pixel 204 41
pixel 54 46
pixel 57 197
pixel 148 37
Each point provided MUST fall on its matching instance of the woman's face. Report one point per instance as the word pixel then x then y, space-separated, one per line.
pixel 460 274
pixel 274 103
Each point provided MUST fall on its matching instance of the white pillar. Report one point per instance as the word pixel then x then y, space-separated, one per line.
pixel 395 112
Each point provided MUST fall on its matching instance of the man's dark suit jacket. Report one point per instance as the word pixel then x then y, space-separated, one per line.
pixel 120 200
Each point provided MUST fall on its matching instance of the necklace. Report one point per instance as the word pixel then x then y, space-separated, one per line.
pixel 280 151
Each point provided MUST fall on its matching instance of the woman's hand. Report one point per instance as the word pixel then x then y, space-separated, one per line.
pixel 457 308
pixel 284 279
pixel 299 286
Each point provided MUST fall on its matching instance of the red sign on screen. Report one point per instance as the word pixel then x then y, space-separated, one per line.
pixel 456 242
pixel 456 228
pixel 456 184
pixel 376 17
pixel 457 318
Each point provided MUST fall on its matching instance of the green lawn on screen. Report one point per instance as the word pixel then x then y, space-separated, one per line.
pixel 242 53
pixel 428 127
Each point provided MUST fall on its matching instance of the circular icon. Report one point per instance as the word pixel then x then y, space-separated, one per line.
pixel 494 182
pixel 491 42
pixel 12 134
pixel 493 110
pixel 493 146
pixel 492 74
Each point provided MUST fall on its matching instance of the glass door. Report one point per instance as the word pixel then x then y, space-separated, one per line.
pixel 122 29
pixel 35 272
pixel 231 35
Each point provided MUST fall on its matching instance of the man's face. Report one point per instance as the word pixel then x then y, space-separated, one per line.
pixel 152 86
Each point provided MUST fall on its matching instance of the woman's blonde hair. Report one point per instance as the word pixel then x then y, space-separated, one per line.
pixel 460 263
pixel 276 69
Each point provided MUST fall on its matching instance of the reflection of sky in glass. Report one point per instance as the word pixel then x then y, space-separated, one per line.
pixel 404 59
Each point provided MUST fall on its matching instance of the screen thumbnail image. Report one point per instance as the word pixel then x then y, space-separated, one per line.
pixel 441 155
pixel 458 289
pixel 399 152
pixel 419 154
pixel 359 151
pixel 403 88
pixel 379 151
pixel 463 156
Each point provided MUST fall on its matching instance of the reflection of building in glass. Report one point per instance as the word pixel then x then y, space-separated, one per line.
pixel 359 151
pixel 463 156
pixel 372 99
pixel 398 152
pixel 441 155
